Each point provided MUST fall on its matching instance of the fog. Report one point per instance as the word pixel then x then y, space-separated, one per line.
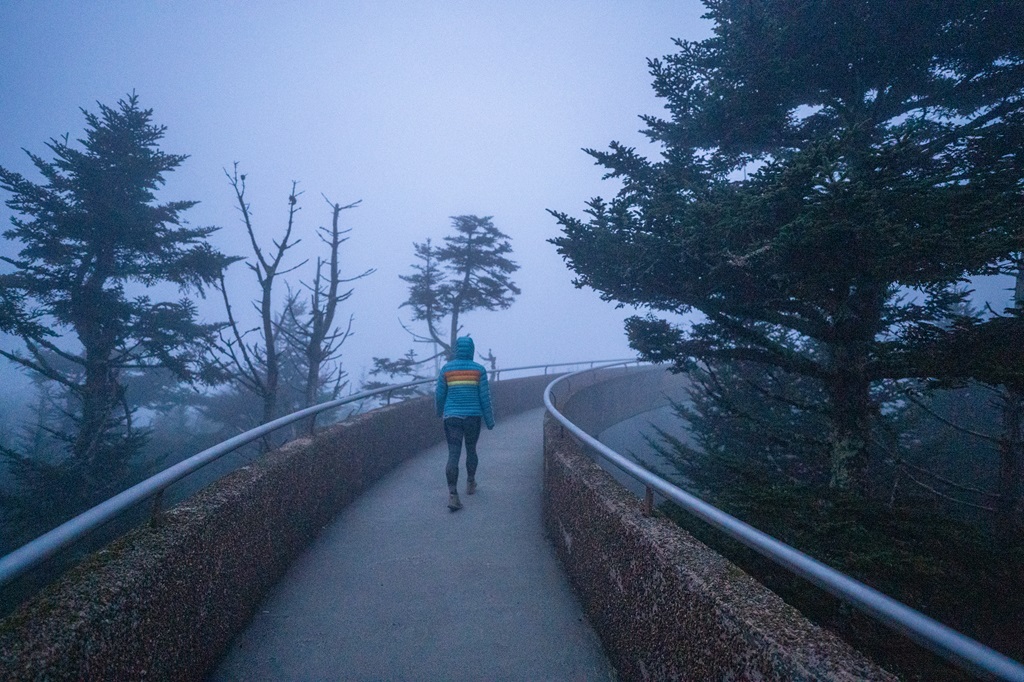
pixel 421 110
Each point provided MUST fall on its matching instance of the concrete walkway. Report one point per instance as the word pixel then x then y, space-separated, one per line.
pixel 399 588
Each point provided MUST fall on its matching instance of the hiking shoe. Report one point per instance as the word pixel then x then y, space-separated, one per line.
pixel 470 487
pixel 453 502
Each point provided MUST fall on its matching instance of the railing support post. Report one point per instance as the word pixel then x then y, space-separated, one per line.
pixel 648 506
pixel 156 517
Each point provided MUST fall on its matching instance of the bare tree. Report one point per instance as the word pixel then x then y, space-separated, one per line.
pixel 313 332
pixel 256 365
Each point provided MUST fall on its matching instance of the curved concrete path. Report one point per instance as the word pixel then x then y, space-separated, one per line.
pixel 399 588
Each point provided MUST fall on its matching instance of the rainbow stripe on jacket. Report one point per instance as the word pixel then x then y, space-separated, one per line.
pixel 462 389
pixel 462 377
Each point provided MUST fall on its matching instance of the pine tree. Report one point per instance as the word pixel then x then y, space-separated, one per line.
pixel 830 171
pixel 471 271
pixel 427 291
pixel 93 242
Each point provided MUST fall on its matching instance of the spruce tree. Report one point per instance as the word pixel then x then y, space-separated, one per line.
pixel 471 271
pixel 830 171
pixel 93 242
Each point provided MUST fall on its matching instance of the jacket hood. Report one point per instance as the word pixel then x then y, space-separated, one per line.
pixel 464 348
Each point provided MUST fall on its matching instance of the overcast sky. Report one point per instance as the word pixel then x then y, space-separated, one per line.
pixel 423 110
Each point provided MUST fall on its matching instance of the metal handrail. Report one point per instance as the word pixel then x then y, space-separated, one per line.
pixel 955 647
pixel 43 547
pixel 592 363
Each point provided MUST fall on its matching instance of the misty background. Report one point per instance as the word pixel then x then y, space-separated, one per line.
pixel 420 110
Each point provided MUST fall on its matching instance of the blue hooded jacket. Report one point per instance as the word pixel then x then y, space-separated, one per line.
pixel 462 386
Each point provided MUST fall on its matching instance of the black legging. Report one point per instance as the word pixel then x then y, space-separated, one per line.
pixel 455 429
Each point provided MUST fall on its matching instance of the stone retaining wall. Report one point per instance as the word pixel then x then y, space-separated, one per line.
pixel 665 606
pixel 164 603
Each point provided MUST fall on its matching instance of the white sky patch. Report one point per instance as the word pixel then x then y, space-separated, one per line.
pixel 804 111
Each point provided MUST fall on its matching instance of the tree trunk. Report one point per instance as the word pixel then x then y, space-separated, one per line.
pixel 314 361
pixel 1011 444
pixel 454 332
pixel 1011 458
pixel 270 348
pixel 98 400
pixel 849 386
pixel 851 412
pixel 100 391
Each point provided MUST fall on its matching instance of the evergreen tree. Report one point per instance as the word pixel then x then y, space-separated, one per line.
pixel 987 349
pixel 90 235
pixel 755 426
pixel 404 370
pixel 471 271
pixel 427 292
pixel 822 160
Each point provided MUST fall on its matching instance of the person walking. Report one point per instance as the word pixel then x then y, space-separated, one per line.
pixel 463 399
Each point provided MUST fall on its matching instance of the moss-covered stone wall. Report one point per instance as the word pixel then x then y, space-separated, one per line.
pixel 164 602
pixel 665 606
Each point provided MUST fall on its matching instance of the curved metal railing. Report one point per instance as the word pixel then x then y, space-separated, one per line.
pixel 955 647
pixel 33 553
